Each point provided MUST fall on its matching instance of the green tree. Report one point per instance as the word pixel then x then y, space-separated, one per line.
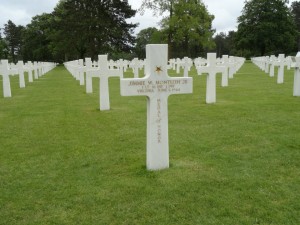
pixel 36 39
pixel 13 36
pixel 221 44
pixel 3 48
pixel 187 26
pixel 225 43
pixel 191 28
pixel 295 7
pixel 266 27
pixel 150 35
pixel 159 7
pixel 91 26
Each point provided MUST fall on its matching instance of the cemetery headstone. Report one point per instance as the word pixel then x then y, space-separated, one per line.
pixel 212 69
pixel 104 73
pixel 296 91
pixel 4 71
pixel 157 86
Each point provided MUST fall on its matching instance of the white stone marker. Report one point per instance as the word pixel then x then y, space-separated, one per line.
pixel 36 75
pixel 29 68
pixel 21 74
pixel 186 66
pixel 135 65
pixel 225 63
pixel 212 69
pixel 81 70
pixel 104 73
pixel 4 71
pixel 157 86
pixel 88 77
pixel 296 91
pixel 281 64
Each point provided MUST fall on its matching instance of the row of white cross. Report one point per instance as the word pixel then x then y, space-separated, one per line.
pixel 267 64
pixel 156 85
pixel 9 69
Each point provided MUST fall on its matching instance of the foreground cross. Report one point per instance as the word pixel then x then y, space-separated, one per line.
pixel 157 86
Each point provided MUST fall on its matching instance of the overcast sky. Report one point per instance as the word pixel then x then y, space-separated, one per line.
pixel 21 12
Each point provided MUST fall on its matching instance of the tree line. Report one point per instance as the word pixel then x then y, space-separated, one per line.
pixel 85 28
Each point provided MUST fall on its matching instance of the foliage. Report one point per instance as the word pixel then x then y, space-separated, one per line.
pixel 62 161
pixel 13 36
pixel 191 28
pixel 91 27
pixel 188 27
pixel 158 6
pixel 225 44
pixel 295 8
pixel 36 38
pixel 266 27
pixel 150 35
pixel 3 48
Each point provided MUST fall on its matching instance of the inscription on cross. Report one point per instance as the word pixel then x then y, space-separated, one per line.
pixel 157 86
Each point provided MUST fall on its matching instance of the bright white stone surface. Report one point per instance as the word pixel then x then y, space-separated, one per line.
pixel 104 73
pixel 296 91
pixel 281 64
pixel 4 71
pixel 157 86
pixel 212 69
pixel 21 74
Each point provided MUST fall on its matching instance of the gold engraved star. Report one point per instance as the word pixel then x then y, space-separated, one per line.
pixel 158 69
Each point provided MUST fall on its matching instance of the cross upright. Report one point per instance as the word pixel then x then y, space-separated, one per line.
pixel 225 63
pixel 29 68
pixel 135 65
pixel 157 86
pixel 281 64
pixel 212 69
pixel 104 73
pixel 89 72
pixel 4 71
pixel 272 64
pixel 296 91
pixel 81 70
pixel 186 66
pixel 20 66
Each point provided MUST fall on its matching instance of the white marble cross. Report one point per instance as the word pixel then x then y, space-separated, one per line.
pixel 212 69
pixel 81 70
pixel 272 62
pixel 186 66
pixel 157 86
pixel 20 66
pixel 104 73
pixel 296 91
pixel 89 72
pixel 29 69
pixel 225 75
pixel 281 64
pixel 4 71
pixel 135 65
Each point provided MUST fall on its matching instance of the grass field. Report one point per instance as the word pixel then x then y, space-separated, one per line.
pixel 236 162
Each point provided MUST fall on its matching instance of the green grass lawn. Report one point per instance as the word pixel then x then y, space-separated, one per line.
pixel 236 162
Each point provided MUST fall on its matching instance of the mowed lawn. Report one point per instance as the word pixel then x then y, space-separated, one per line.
pixel 236 162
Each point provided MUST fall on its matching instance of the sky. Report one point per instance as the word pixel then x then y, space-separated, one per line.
pixel 21 12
